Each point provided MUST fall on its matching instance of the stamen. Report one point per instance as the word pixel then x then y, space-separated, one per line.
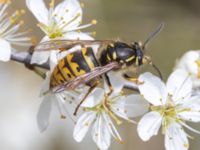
pixel 82 5
pixel 15 17
pixel 66 24
pixel 51 4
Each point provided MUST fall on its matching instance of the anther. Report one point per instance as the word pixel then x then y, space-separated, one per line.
pixel 94 22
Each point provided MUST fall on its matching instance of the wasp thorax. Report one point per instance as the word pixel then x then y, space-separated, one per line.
pixel 122 53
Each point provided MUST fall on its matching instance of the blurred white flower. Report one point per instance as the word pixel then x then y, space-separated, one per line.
pixel 99 111
pixel 172 105
pixel 63 21
pixel 9 27
pixel 190 62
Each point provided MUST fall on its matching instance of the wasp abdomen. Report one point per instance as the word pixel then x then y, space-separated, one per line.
pixel 73 65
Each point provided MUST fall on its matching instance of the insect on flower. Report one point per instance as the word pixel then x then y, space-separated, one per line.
pixel 9 27
pixel 83 66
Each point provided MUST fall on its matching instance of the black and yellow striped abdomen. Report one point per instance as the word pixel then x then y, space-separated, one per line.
pixel 73 65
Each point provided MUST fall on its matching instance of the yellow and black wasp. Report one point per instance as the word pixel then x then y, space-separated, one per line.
pixel 82 66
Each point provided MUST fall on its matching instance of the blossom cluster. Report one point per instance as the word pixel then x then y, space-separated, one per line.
pixel 161 106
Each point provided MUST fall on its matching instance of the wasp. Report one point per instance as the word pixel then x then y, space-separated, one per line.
pixel 83 66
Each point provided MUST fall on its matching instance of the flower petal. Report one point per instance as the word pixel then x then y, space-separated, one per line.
pixel 111 127
pixel 5 51
pixel 176 138
pixel 45 84
pixel 153 89
pixel 179 85
pixel 149 125
pixel 191 109
pixel 136 105
pixel 44 113
pixel 77 35
pixel 39 10
pixel 118 81
pixel 41 57
pixel 68 10
pixel 187 62
pixel 100 133
pixel 94 98
pixel 83 125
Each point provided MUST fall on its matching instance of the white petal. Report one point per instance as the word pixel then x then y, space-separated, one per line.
pixel 111 127
pixel 83 125
pixel 40 57
pixel 5 50
pixel 53 60
pixel 77 35
pixel 69 9
pixel 94 98
pixel 45 84
pixel 39 10
pixel 44 113
pixel 149 125
pixel 118 107
pixel 101 134
pixel 176 138
pixel 153 89
pixel 187 62
pixel 192 109
pixel 136 105
pixel 179 85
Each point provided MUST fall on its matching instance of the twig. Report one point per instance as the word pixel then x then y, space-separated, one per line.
pixel 25 58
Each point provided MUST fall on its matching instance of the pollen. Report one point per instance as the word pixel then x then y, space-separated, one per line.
pixel 186 145
pixel 51 4
pixel 82 5
pixel 5 1
pixel 94 22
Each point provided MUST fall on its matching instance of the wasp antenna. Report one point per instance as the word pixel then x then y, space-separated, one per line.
pixel 157 69
pixel 153 34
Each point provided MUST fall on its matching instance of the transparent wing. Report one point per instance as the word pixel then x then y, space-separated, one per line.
pixel 86 77
pixel 67 44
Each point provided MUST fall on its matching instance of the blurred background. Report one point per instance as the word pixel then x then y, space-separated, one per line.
pixel 128 20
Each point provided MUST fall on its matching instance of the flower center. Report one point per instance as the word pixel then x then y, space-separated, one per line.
pixel 105 106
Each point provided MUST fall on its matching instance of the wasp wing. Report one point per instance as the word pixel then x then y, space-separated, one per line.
pixel 86 77
pixel 67 44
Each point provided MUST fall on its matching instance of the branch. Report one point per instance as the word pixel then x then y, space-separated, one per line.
pixel 25 58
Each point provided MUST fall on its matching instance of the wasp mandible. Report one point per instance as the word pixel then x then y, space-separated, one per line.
pixel 83 66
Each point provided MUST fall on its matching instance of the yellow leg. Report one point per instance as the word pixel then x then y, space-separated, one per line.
pixel 133 79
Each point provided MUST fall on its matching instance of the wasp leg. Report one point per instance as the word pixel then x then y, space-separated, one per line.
pixel 86 95
pixel 109 84
pixel 133 79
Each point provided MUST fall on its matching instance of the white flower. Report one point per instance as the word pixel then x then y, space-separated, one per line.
pixel 100 109
pixel 63 21
pixel 190 62
pixel 172 105
pixel 9 35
